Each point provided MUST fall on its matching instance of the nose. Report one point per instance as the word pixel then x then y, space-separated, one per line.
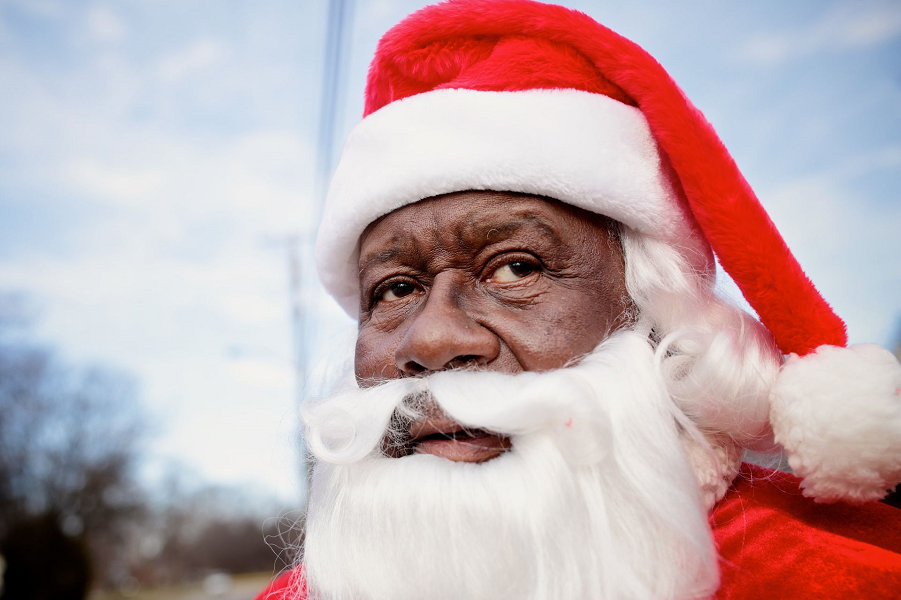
pixel 443 336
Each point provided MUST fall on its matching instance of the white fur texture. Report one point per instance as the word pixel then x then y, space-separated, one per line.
pixel 577 147
pixel 837 413
pixel 595 499
pixel 715 465
pixel 719 362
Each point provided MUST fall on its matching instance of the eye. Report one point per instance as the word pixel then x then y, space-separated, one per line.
pixel 513 271
pixel 395 291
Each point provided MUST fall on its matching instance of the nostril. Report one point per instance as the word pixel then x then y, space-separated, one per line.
pixel 413 368
pixel 467 360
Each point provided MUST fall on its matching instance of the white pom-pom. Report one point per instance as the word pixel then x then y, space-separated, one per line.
pixel 837 413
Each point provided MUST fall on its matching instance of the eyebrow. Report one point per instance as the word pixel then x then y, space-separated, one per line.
pixel 379 258
pixel 470 230
pixel 483 231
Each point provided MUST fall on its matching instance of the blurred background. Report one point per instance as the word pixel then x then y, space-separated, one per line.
pixel 162 165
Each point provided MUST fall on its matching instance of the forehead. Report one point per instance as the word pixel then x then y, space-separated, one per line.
pixel 472 218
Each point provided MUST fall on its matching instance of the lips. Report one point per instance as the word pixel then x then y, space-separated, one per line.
pixel 447 439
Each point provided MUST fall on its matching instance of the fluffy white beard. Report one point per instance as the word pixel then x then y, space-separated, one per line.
pixel 594 500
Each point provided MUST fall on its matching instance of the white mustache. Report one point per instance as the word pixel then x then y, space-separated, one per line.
pixel 350 426
pixel 347 427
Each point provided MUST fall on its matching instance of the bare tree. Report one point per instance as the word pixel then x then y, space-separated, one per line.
pixel 69 441
pixel 197 529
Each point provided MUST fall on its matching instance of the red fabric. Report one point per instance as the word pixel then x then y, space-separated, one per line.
pixel 519 44
pixel 774 543
pixel 290 585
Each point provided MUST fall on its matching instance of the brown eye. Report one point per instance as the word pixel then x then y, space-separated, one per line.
pixel 397 290
pixel 513 271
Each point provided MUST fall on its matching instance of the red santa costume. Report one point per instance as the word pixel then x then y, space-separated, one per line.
pixel 513 95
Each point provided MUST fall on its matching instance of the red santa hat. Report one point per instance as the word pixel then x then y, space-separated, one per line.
pixel 514 95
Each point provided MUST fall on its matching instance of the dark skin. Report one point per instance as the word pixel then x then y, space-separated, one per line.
pixel 495 280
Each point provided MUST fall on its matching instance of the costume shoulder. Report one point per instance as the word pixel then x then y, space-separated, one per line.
pixel 287 586
pixel 775 543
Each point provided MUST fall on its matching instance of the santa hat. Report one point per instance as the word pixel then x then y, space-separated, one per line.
pixel 514 95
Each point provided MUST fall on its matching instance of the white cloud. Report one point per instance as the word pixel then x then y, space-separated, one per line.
pixel 104 26
pixel 885 158
pixel 263 374
pixel 378 10
pixel 116 183
pixel 198 56
pixel 125 298
pixel 170 277
pixel 844 26
pixel 254 309
pixel 870 27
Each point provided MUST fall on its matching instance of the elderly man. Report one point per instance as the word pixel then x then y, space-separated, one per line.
pixel 549 399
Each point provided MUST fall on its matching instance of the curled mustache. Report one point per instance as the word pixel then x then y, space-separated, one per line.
pixel 357 423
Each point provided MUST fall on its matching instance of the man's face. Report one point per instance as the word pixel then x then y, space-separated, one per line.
pixel 587 459
pixel 498 280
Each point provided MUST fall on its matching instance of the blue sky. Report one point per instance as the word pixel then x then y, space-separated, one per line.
pixel 154 154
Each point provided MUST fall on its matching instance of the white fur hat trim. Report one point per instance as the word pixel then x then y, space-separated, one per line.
pixel 584 149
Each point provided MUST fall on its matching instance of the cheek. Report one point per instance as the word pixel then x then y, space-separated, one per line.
pixel 571 326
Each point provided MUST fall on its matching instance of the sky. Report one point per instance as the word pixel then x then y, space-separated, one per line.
pixel 156 157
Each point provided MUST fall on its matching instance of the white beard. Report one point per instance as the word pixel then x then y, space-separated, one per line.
pixel 595 500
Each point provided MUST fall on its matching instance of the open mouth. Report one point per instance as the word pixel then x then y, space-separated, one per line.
pixel 446 439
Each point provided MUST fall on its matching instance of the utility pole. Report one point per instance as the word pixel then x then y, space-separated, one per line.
pixel 305 291
pixel 294 248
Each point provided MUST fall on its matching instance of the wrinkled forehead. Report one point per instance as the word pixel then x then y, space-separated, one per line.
pixel 471 218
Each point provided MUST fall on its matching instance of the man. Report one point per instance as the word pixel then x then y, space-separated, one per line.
pixel 549 399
